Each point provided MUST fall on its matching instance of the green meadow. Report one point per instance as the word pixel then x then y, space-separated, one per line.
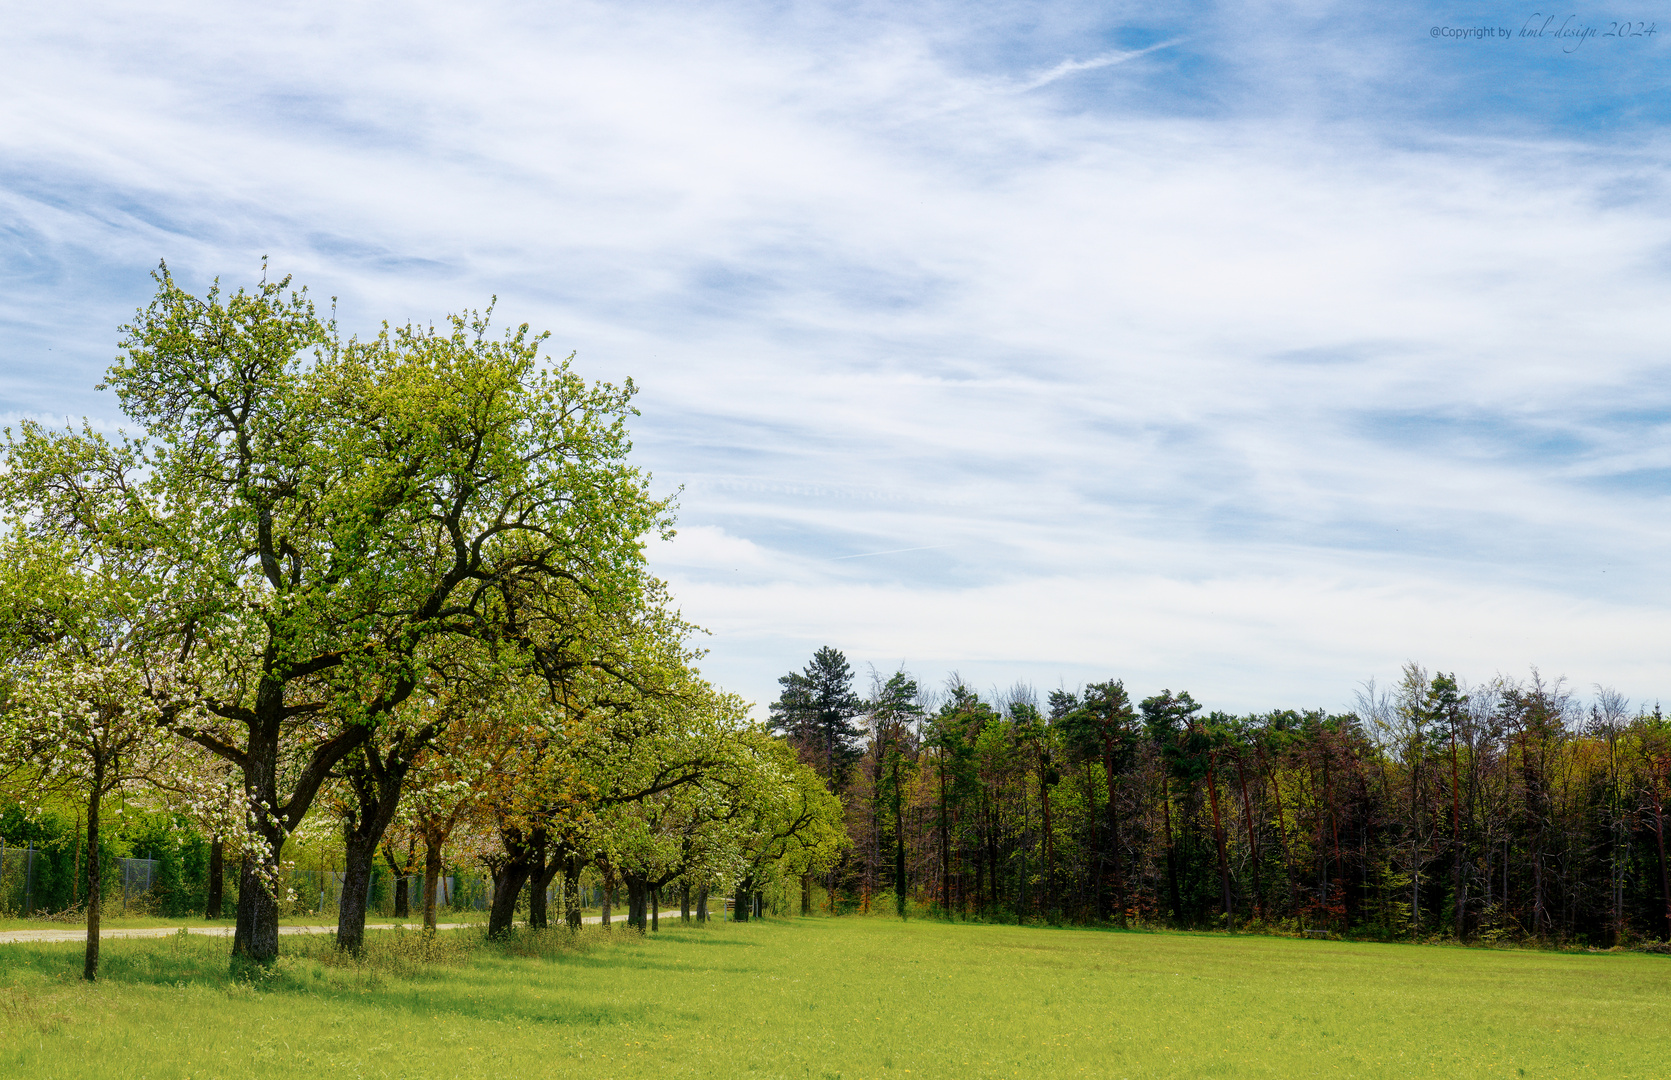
pixel 835 998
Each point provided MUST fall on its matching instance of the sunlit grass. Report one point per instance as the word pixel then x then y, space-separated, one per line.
pixel 848 998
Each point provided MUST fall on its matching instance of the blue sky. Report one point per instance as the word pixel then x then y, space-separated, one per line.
pixel 1249 349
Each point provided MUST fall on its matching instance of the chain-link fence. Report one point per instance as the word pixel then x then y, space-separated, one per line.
pixel 24 873
pixel 17 879
pixel 29 886
pixel 318 892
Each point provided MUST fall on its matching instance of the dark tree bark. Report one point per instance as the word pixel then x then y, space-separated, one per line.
pixel 1171 855
pixel 508 878
pixel 217 879
pixel 1218 838
pixel 351 901
pixel 637 896
pixel 273 819
pixel 899 846
pixel 403 891
pixel 655 907
pixel 432 878
pixel 375 780
pixel 1456 839
pixel 540 873
pixel 702 904
pixel 945 847
pixel 1281 826
pixel 1047 899
pixel 806 894
pixel 571 890
pixel 741 900
pixel 90 969
pixel 684 903
pixel 255 937
pixel 1659 839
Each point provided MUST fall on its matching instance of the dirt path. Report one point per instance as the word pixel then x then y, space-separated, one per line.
pixel 79 933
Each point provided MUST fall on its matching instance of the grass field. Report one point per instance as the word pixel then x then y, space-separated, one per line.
pixel 848 998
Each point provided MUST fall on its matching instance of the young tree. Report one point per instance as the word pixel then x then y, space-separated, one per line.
pixel 86 689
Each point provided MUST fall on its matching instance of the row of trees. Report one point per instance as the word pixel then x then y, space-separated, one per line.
pixel 398 583
pixel 1432 808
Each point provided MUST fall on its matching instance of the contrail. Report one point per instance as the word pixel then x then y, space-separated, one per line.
pixel 1072 67
pixel 895 551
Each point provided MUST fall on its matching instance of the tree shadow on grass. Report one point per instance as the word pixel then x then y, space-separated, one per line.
pixel 458 974
pixel 485 989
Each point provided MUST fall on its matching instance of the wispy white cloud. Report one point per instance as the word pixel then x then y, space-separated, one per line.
pixel 1157 371
pixel 1108 59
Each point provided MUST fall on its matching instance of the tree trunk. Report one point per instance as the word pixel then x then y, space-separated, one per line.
pixel 684 903
pixel 1281 827
pixel 740 901
pixel 376 782
pixel 540 874
pixel 1047 901
pixel 1171 856
pixel 702 904
pixel 538 915
pixel 1114 838
pixel 1456 839
pixel 356 888
pixel 403 892
pixel 217 879
pixel 945 846
pixel 608 896
pixel 1659 838
pixel 256 935
pixel 508 880
pixel 806 894
pixel 637 896
pixel 90 969
pixel 1218 838
pixel 571 891
pixel 900 888
pixel 432 877
pixel 1026 830
pixel 1252 840
pixel 1415 845
pixel 655 907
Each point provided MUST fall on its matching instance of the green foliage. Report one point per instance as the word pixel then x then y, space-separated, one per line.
pixel 817 711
